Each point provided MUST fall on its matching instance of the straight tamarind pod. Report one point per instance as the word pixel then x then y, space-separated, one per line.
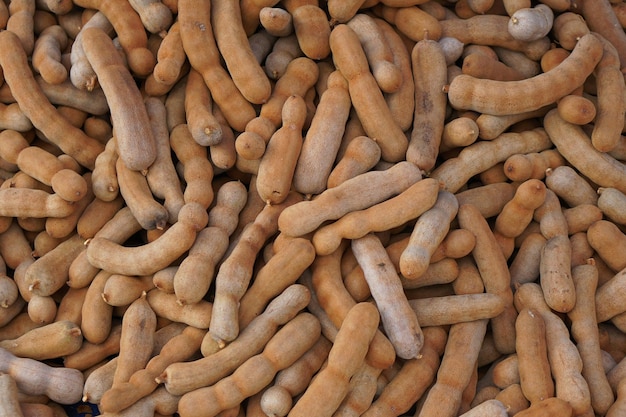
pixel 450 309
pixel 396 211
pixel 311 27
pixel 366 96
pixel 429 77
pixel 491 126
pixel 323 137
pixel 501 97
pixel 608 240
pixel 479 156
pixel 166 305
pixel 612 203
pixel 203 125
pixel 135 141
pixel 27 202
pixel 601 18
pixel 106 254
pixel 574 144
pixel 37 107
pixel 234 47
pixel 356 193
pixel 360 156
pixel 532 23
pixel 61 338
pixel 434 223
pixel 570 186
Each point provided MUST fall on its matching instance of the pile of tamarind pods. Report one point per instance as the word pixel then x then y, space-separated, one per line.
pixel 313 208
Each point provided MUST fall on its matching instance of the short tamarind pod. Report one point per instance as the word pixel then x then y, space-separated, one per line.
pixel 489 198
pixel 129 116
pixel 71 304
pixel 416 257
pixel 33 377
pixel 294 379
pixel 162 177
pixel 21 22
pixel 555 274
pixel 42 309
pixel 480 29
pixel 412 22
pixel 9 400
pixel 234 47
pixel 429 77
pixel 350 59
pixel 599 167
pixel 276 21
pixel 345 357
pixel 513 398
pixel 118 229
pixel 403 390
pixel 136 340
pixel 14 246
pixel 299 334
pixel 532 23
pixel 577 109
pixel 81 72
pixel 38 108
pixel 465 92
pixel 444 310
pixel 473 159
pixel 163 279
pixel 311 26
pixel 50 272
pixel 197 169
pixel 572 188
pixel 62 338
pixel 361 155
pixel 170 57
pixel 66 94
pixel 135 190
pixel 494 272
pixel 104 175
pixel 155 15
pixel 166 306
pixel 518 212
pixel 581 249
pixel 12 117
pixel 234 274
pixel 534 368
pixel 444 271
pixel 182 377
pixel 142 382
pixel 611 202
pixel 284 50
pixel 96 214
pixel 90 354
pixel 323 137
pixel 335 300
pixel 608 241
pixel 282 270
pixel 203 125
pixel 196 33
pixel 584 330
pixel 525 264
pixel 358 223
pixel 122 290
pixel 377 51
pixel 8 291
pixel 278 163
pixel 47 54
pixel 459 132
pixel 108 255
pixel 63 227
pixel 343 11
pixel 370 187
pixel 97 315
pixel 550 216
pixel 445 395
pixel 130 31
pixel 98 380
pixel 565 366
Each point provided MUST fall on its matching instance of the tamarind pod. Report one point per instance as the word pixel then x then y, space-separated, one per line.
pixel 601 18
pixel 466 92
pixel 356 193
pixel 479 156
pixel 9 399
pixel 90 354
pixel 430 78
pixel 98 380
pixel 38 108
pixel 366 96
pixel 66 94
pixel 106 254
pixel 203 125
pixel 494 272
pixel 343 11
pixel 234 274
pixel 608 241
pixel 299 334
pixel 311 26
pixel 62 385
pixel 166 305
pixel 570 186
pixel 612 202
pixel 276 21
pixel 438 311
pixel 182 377
pixel 96 214
pixel 61 337
pixel 576 148
pixel 97 315
pixel 135 142
pixel 122 290
pixel 491 126
pixel 360 156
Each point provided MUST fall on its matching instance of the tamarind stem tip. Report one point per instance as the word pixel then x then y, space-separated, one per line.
pixel 180 302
